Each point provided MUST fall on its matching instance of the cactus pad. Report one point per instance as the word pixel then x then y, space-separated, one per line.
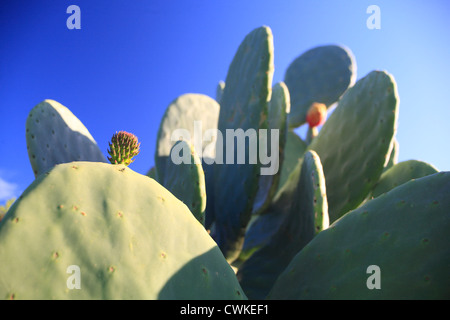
pixel 129 236
pixel 278 110
pixel 55 135
pixel 400 173
pixel 303 208
pixel 183 113
pixel 404 232
pixel 243 106
pixel 322 75
pixel 393 155
pixel 294 150
pixel 186 181
pixel 364 125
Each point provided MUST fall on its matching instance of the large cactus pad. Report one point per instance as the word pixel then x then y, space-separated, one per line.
pixel 243 106
pixel 356 140
pixel 405 233
pixel 322 75
pixel 302 207
pixel 129 237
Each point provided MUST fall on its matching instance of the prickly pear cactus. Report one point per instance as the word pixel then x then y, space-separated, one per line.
pixel 55 135
pixel 405 233
pixel 86 229
pixel 243 106
pixel 400 173
pixel 189 117
pixel 128 236
pixel 185 179
pixel 355 141
pixel 303 212
pixel 321 75
pixel 294 150
pixel 279 107
pixel 393 155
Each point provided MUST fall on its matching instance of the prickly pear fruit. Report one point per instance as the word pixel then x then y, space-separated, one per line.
pixel 123 147
pixel 316 115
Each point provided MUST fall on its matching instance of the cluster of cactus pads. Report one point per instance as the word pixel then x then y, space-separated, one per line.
pixel 205 228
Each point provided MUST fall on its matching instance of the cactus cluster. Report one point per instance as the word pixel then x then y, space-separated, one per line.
pixel 211 225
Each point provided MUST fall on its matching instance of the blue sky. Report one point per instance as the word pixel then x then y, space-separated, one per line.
pixel 130 59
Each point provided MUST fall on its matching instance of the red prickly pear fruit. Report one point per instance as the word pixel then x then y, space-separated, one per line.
pixel 316 115
pixel 123 147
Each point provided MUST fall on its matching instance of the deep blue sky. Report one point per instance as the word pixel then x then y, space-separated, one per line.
pixel 132 58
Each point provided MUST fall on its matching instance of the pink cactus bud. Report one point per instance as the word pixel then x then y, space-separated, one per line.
pixel 123 147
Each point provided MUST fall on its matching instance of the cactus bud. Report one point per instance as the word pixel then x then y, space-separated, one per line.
pixel 316 115
pixel 123 147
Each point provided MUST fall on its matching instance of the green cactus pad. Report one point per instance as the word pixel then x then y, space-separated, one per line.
pixel 129 236
pixel 400 173
pixel 404 232
pixel 304 207
pixel 244 106
pixel 55 135
pixel 294 150
pixel 264 226
pixel 278 110
pixel 182 113
pixel 355 141
pixel 393 155
pixel 186 181
pixel 321 74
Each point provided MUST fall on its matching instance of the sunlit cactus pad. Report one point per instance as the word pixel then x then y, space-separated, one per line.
pixel 55 135
pixel 130 237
